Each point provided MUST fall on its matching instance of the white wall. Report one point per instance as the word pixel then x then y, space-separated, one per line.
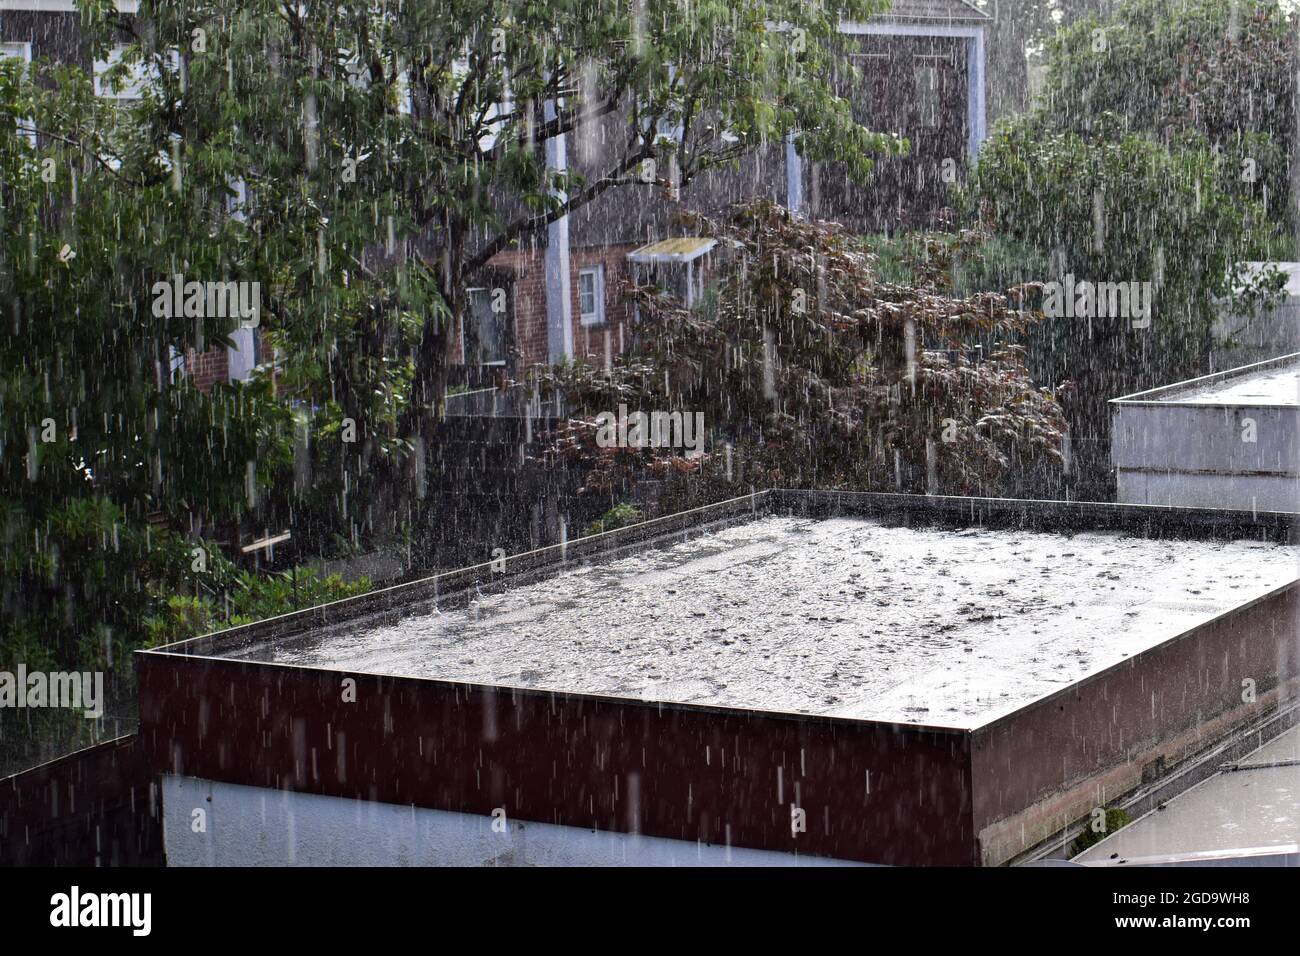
pixel 242 354
pixel 251 826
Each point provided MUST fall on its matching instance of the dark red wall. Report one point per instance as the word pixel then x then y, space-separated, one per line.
pixel 676 771
pixel 579 760
pixel 96 807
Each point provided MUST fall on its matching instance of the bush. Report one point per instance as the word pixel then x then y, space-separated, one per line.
pixel 811 369
pixel 249 598
pixel 1115 206
pixel 1115 819
pixel 616 517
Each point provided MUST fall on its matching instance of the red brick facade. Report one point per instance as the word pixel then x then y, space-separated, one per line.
pixel 527 267
pixel 528 271
pixel 593 343
pixel 208 367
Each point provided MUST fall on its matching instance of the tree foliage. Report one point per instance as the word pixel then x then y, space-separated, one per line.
pixel 97 434
pixel 1190 73
pixel 817 373
pixel 391 150
pixel 1157 154
pixel 361 163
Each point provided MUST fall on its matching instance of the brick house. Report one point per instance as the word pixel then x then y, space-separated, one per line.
pixel 922 63
pixel 923 69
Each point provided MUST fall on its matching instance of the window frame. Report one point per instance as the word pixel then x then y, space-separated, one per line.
pixel 596 318
pixel 469 310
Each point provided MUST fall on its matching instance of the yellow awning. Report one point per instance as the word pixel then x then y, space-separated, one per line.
pixel 682 249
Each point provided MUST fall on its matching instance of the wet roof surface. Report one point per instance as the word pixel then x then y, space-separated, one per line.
pixel 1271 386
pixel 839 616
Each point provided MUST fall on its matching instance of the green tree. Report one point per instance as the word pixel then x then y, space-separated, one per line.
pixel 1021 29
pixel 360 163
pixel 1117 206
pixel 1191 74
pixel 101 448
pixel 1157 153
pixel 391 150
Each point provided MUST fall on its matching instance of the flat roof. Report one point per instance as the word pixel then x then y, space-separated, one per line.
pixel 841 616
pixel 1274 386
pixel 1252 806
pixel 1275 382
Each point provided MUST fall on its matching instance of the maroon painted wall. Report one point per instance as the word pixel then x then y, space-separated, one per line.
pixel 578 760
pixel 96 807
pixel 676 771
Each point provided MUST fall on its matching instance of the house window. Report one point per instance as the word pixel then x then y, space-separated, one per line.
pixel 591 295
pixel 483 328
pixel 925 75
pixel 19 51
pixel 22 52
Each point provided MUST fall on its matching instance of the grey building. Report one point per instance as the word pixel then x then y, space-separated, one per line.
pixel 1227 440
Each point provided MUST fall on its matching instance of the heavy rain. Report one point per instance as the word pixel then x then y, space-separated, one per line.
pixel 627 433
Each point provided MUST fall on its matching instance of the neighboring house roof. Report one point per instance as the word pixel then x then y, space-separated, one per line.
pixel 946 10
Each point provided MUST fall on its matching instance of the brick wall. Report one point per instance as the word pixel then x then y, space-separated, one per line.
pixel 528 268
pixel 211 366
pixel 527 271
pixel 594 343
pixel 207 367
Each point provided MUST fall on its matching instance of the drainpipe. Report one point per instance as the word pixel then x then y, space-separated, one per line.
pixel 559 305
pixel 975 109
pixel 793 177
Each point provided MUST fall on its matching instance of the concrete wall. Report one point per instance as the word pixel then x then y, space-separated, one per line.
pixel 209 823
pixel 1198 456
